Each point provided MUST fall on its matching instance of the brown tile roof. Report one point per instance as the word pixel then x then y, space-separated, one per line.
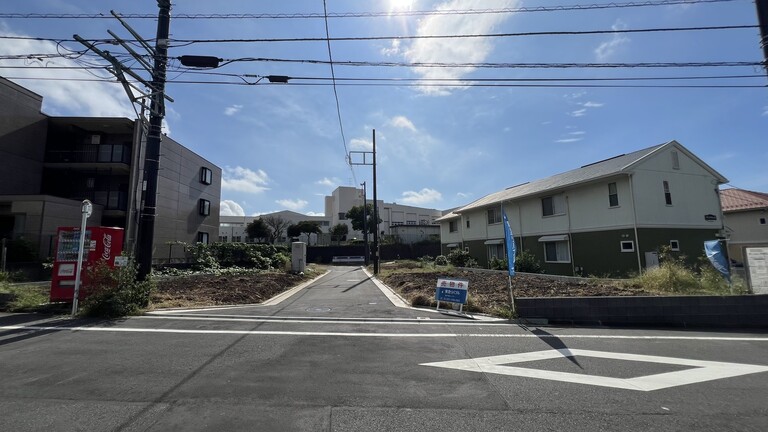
pixel 740 199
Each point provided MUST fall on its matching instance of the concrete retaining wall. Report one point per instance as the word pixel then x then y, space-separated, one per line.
pixel 747 311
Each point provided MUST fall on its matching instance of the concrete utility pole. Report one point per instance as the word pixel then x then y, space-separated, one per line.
pixel 375 213
pixel 154 137
pixel 762 20
pixel 365 224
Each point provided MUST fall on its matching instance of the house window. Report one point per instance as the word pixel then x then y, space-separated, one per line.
pixel 667 194
pixel 467 223
pixel 202 237
pixel 674 245
pixel 222 239
pixel 496 251
pixel 237 239
pixel 675 161
pixel 95 139
pixel 204 207
pixel 553 205
pixel 762 221
pixel 206 175
pixel 342 216
pixel 453 226
pixel 613 195
pixel 494 216
pixel 556 252
pixel 628 246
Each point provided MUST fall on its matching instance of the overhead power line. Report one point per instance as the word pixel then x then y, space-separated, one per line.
pixel 416 84
pixel 577 7
pixel 468 36
pixel 335 93
pixel 186 42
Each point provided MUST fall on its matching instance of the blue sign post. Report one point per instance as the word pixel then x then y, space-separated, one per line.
pixel 452 291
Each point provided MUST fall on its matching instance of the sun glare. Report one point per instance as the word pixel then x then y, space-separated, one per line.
pixel 400 5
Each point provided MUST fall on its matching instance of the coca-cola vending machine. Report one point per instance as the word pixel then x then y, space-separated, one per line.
pixel 101 244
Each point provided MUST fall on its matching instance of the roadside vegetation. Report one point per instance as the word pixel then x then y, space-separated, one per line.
pixel 18 298
pixel 488 291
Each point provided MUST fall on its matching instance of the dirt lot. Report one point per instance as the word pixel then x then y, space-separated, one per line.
pixel 488 290
pixel 209 290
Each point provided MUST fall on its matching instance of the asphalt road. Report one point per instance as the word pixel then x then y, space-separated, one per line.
pixel 338 355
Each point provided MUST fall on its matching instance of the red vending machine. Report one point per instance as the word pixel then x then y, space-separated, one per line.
pixel 101 244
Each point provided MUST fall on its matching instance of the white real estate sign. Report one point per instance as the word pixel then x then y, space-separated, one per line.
pixel 757 263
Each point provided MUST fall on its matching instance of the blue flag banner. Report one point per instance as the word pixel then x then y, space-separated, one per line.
pixel 510 243
pixel 714 252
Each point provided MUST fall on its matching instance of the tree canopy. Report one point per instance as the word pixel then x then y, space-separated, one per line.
pixel 304 227
pixel 355 215
pixel 339 232
pixel 278 225
pixel 258 230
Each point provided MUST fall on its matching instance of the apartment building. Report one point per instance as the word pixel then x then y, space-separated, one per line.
pixel 606 218
pixel 50 164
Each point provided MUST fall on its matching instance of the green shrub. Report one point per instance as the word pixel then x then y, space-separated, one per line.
pixel 459 257
pixel 526 262
pixel 498 264
pixel 441 260
pixel 114 292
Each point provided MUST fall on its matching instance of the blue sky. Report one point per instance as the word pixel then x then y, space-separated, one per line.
pixel 280 146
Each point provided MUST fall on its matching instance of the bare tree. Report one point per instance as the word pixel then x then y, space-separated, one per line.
pixel 277 224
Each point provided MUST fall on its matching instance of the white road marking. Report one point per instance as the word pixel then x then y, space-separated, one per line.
pixel 379 335
pixel 700 371
pixel 311 320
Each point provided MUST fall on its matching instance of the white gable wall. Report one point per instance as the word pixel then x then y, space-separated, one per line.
pixel 693 190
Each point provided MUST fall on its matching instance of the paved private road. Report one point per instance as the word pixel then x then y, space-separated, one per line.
pixel 339 355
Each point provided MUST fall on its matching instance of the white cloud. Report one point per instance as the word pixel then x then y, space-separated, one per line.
pixel 361 144
pixel 577 133
pixel 607 49
pixel 467 50
pixel 423 196
pixel 60 97
pixel 402 122
pixel 232 110
pixel 393 50
pixel 231 208
pixel 315 214
pixel 592 104
pixel 330 182
pixel 568 140
pixel 463 195
pixel 244 180
pixel 578 113
pixel 765 110
pixel 294 205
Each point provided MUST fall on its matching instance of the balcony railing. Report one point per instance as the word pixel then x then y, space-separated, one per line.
pixel 111 200
pixel 88 153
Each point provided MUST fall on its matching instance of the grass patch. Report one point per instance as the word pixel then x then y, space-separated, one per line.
pixel 28 298
pixel 674 278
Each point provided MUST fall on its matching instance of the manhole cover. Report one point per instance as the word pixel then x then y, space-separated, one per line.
pixel 318 309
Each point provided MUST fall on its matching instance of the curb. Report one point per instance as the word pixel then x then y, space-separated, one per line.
pixel 398 301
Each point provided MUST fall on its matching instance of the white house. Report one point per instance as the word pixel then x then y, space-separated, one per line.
pixel 606 218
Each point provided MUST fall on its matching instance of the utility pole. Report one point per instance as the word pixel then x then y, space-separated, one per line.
pixel 154 137
pixel 762 20
pixel 375 202
pixel 375 213
pixel 157 98
pixel 365 222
